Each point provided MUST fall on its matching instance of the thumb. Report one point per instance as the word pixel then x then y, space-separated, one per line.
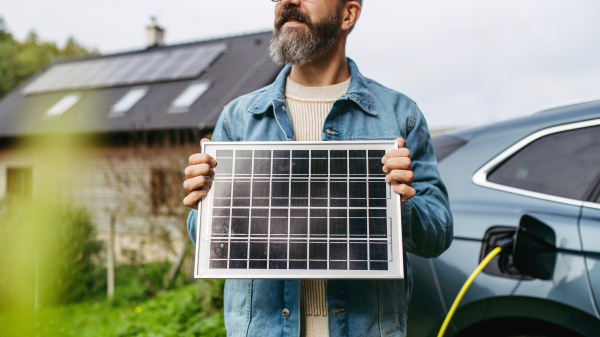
pixel 204 140
pixel 400 142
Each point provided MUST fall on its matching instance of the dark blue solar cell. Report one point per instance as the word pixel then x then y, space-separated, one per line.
pixel 262 167
pixel 265 154
pixel 278 250
pixel 224 167
pixel 218 264
pixel 219 249
pixel 338 189
pixel 261 189
pixel 300 154
pixel 379 266
pixel 338 250
pixel 318 250
pixel 377 189
pixel 281 167
pixel 258 265
pixel 318 154
pixel 300 167
pixel 319 167
pixel 298 250
pixel 243 154
pixel 318 265
pixel 378 251
pixel 238 250
pixel 235 264
pixel 338 265
pixel 222 189
pixel 281 154
pixel 358 251
pixel 258 250
pixel 359 265
pixel 224 154
pixel 298 264
pixel 277 264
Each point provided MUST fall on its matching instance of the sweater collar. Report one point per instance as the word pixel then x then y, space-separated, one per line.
pixel 358 92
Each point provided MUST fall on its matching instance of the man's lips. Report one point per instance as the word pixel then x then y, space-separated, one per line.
pixel 292 23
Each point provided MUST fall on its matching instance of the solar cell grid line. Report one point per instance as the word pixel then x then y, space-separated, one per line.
pixel 326 240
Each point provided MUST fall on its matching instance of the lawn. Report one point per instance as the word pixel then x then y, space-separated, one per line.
pixel 193 310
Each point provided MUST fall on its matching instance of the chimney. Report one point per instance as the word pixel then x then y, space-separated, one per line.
pixel 154 34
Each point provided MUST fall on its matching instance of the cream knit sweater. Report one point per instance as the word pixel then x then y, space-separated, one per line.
pixel 309 107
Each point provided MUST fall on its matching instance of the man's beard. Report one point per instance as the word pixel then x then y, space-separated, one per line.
pixel 301 45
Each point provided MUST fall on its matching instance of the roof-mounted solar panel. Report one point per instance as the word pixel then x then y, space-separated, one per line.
pixel 149 67
pixel 291 210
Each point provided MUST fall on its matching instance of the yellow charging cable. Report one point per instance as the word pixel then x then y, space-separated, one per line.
pixel 466 286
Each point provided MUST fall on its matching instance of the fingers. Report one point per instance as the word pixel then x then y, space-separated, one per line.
pixel 198 170
pixel 400 142
pixel 192 199
pixel 405 191
pixel 202 158
pixel 397 163
pixel 402 152
pixel 403 176
pixel 196 183
pixel 204 140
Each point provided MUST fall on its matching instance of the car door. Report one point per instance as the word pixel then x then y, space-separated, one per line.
pixel 589 227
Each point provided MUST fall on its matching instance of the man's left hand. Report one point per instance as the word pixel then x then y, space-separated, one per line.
pixel 397 166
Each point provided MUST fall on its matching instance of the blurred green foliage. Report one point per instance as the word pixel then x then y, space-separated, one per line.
pixel 134 284
pixel 46 249
pixel 19 60
pixel 193 310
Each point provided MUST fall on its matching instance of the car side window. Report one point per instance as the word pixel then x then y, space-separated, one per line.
pixel 563 164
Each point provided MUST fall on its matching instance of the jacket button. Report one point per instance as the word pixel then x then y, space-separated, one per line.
pixel 285 313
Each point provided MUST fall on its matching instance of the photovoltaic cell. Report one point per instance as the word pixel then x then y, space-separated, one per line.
pixel 149 67
pixel 300 209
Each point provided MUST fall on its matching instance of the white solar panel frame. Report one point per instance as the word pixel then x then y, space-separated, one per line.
pixel 394 231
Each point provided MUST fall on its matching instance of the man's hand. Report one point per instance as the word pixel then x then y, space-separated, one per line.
pixel 198 175
pixel 397 166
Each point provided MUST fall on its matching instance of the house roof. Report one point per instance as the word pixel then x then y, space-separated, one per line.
pixel 229 67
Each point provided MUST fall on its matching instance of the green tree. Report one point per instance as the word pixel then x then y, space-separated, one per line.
pixel 20 60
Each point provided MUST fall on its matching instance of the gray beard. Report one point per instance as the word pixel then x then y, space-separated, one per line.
pixel 302 45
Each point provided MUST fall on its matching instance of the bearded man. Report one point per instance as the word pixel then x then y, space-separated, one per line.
pixel 320 95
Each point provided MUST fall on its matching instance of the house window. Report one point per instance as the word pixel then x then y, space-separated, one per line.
pixel 63 105
pixel 166 190
pixel 128 101
pixel 188 97
pixel 18 182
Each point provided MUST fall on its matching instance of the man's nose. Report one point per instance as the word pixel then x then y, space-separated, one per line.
pixel 287 3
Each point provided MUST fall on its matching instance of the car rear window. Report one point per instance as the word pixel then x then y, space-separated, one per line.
pixel 564 164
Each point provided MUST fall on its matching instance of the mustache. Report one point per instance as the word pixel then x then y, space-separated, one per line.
pixel 292 14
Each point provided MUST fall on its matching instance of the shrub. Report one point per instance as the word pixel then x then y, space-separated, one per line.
pixel 53 243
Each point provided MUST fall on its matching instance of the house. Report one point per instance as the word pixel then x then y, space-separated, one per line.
pixel 132 120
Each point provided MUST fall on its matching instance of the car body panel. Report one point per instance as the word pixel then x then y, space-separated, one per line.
pixel 568 298
pixel 589 226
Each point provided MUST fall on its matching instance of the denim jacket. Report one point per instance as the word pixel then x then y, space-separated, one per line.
pixel 368 111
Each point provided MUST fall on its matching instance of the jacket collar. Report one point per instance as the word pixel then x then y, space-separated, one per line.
pixel 358 91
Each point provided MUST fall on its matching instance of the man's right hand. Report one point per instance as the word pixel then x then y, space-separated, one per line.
pixel 198 175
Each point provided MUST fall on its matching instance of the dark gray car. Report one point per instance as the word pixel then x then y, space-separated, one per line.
pixel 546 167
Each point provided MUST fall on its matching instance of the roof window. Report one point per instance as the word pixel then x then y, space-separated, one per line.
pixel 63 105
pixel 128 101
pixel 188 97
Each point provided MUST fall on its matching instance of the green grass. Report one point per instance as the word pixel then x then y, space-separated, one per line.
pixel 194 310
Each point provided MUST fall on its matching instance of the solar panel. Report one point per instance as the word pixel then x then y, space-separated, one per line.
pixel 152 66
pixel 299 210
